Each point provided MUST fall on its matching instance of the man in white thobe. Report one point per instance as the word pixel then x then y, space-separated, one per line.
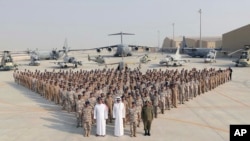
pixel 100 115
pixel 118 115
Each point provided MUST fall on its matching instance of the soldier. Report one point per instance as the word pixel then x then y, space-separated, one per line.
pixel 133 118
pixel 124 101
pixel 168 98
pixel 139 104
pixel 182 92
pixel 230 73
pixel 109 102
pixel 155 103
pixel 92 101
pixel 87 119
pixel 79 107
pixel 70 100
pixel 147 117
pixel 162 94
pixel 174 95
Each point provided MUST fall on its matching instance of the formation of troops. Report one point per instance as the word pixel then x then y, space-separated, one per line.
pixel 77 91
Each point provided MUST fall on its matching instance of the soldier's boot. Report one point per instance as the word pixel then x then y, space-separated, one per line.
pixel 162 111
pixel 88 133
pixel 146 133
pixel 149 133
pixel 134 132
pixel 80 123
pixel 85 133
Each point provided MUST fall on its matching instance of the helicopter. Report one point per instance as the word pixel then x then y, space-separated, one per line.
pixel 7 62
pixel 34 60
pixel 99 59
pixel 244 59
pixel 210 57
pixel 144 59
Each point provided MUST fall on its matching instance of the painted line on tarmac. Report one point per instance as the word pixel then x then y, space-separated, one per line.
pixel 233 99
pixel 197 124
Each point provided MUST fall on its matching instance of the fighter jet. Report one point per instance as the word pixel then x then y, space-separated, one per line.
pixel 7 62
pixel 122 50
pixel 67 59
pixel 173 60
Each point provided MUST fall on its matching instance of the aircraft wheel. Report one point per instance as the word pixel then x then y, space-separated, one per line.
pixel 65 66
pixel 236 65
pixel 75 65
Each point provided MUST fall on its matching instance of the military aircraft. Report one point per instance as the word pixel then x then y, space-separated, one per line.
pixel 99 59
pixel 244 59
pixel 173 60
pixel 210 57
pixel 54 54
pixel 34 60
pixel 67 59
pixel 194 52
pixel 122 50
pixel 7 62
pixel 145 58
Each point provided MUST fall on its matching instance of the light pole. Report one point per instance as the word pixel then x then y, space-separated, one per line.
pixel 158 36
pixel 173 35
pixel 173 30
pixel 200 29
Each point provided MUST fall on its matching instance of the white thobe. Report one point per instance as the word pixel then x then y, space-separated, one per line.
pixel 100 114
pixel 119 114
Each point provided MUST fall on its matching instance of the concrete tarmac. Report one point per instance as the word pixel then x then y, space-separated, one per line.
pixel 26 116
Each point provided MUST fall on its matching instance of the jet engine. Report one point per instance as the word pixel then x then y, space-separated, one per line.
pixel 98 50
pixel 109 49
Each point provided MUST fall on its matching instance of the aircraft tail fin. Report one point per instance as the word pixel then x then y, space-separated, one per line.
pixel 121 34
pixel 177 53
pixel 184 43
pixel 65 46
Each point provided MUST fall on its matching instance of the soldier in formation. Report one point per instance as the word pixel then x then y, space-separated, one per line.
pixel 163 89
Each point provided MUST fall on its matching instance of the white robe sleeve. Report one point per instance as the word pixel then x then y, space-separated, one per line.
pixel 114 108
pixel 123 111
pixel 95 110
pixel 106 112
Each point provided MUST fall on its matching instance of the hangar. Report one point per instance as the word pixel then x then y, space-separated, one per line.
pixel 236 39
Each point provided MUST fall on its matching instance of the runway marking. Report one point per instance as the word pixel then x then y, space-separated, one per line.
pixel 197 124
pixel 233 99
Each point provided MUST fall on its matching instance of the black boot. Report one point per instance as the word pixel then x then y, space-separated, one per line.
pixel 148 133
pixel 145 134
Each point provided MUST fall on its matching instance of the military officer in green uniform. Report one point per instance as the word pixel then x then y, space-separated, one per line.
pixel 147 117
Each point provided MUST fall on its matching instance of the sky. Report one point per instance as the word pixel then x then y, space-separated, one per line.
pixel 45 24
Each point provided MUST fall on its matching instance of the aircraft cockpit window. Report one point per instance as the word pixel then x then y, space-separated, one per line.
pixel 243 55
